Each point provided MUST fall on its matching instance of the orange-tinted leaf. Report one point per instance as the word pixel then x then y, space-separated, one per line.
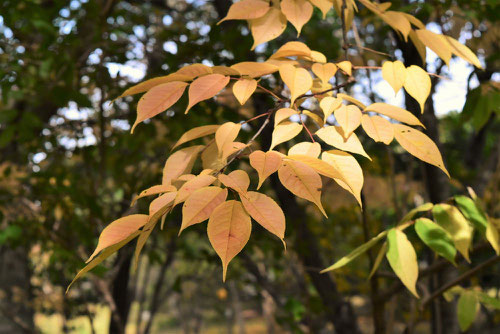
pixel 158 99
pixel 154 190
pixel 179 163
pixel 196 133
pixel 148 84
pixel 298 12
pixel 283 114
pixel 334 136
pixel 346 67
pixel 243 89
pixel 318 165
pixel 192 185
pixel 298 80
pixel 228 230
pixel 195 70
pixel 205 88
pixel 292 49
pixel 118 231
pixel 246 10
pixel 264 210
pixel 254 69
pixel 329 104
pixel 226 134
pixel 306 148
pixel 284 132
pixel 302 181
pixel 267 27
pixel 161 205
pixel 378 128
pixel 323 5
pixel 237 180
pixel 199 206
pixel 265 164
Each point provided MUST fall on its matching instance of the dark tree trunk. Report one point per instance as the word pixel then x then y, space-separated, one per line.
pixel 120 292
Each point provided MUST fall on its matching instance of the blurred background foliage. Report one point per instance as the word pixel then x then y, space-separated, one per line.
pixel 69 166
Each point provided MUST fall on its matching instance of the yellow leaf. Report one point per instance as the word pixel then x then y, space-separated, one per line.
pixel 292 49
pixel 141 241
pixel 210 158
pixel 161 205
pixel 346 67
pixel 324 71
pixel 237 180
pixel 334 136
pixel 306 148
pixel 403 259
pixel 199 206
pixel 419 46
pixel 283 114
pixel 398 22
pixel 205 88
pixel 298 12
pixel 329 104
pixel 463 51
pixel 399 114
pixel 224 70
pixel 158 99
pixel 413 20
pixel 302 181
pixel 314 117
pixel 418 84
pixel 318 165
pixel 231 148
pixel 265 164
pixel 101 257
pixel 318 57
pixel 196 133
pixel 352 174
pixel 118 231
pixel 264 210
pixel 298 80
pixel 148 84
pixel 394 73
pixel 226 134
pixel 255 69
pixel 436 43
pixel 351 99
pixel 378 128
pixel 228 230
pixel 243 89
pixel 267 27
pixel 451 219
pixel 194 70
pixel 493 234
pixel 419 145
pixel 323 5
pixel 179 163
pixel 154 190
pixel 349 118
pixel 246 10
pixel 192 185
pixel 284 132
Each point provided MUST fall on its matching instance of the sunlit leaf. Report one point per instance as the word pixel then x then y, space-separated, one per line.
pixel 255 69
pixel 200 205
pixel 349 118
pixel 334 136
pixel 329 104
pixel 283 114
pixel 306 148
pixel 180 162
pixel 292 49
pixel 394 73
pixel 226 135
pixel 298 12
pixel 352 174
pixel 298 80
pixel 323 5
pixel 246 10
pixel 265 164
pixel 267 27
pixel 437 43
pixel 243 89
pixel 436 238
pixel 192 185
pixel 195 133
pixel 154 190
pixel 378 128
pixel 418 84
pixel 148 84
pixel 205 88
pixel 195 70
pixel 284 132
pixel 324 71
pixel 399 114
pixel 403 259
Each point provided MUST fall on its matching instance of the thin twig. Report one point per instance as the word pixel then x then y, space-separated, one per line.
pixel 380 67
pixel 460 279
pixel 348 82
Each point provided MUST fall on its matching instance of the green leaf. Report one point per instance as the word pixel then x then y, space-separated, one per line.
pixel 485 299
pixel 452 220
pixel 421 208
pixel 472 212
pixel 355 253
pixel 403 259
pixel 467 308
pixel 436 238
pixel 378 259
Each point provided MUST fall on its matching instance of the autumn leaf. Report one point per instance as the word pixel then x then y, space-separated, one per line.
pixel 350 170
pixel 192 185
pixel 399 114
pixel 463 52
pixel 246 10
pixel 302 181
pixel 349 118
pixel 254 69
pixel 334 136
pixel 283 114
pixel 243 89
pixel 394 73
pixel 195 133
pixel 436 43
pixel 284 132
pixel 265 164
pixel 306 148
pixel 205 88
pixel 403 259
pixel 118 231
pixel 419 145
pixel 318 165
pixel 264 210
pixel 298 80
pixel 158 99
pixel 148 84
pixel 228 230
pixel 226 135
pixel 377 128
pixel 154 190
pixel 351 99
pixel 267 27
pixel 328 105
pixel 161 205
pixel 298 12
pixel 180 162
pixel 418 84
pixel 292 49
pixel 398 22
pixel 237 180
pixel 346 67
pixel 324 71
pixel 195 70
pixel 323 5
